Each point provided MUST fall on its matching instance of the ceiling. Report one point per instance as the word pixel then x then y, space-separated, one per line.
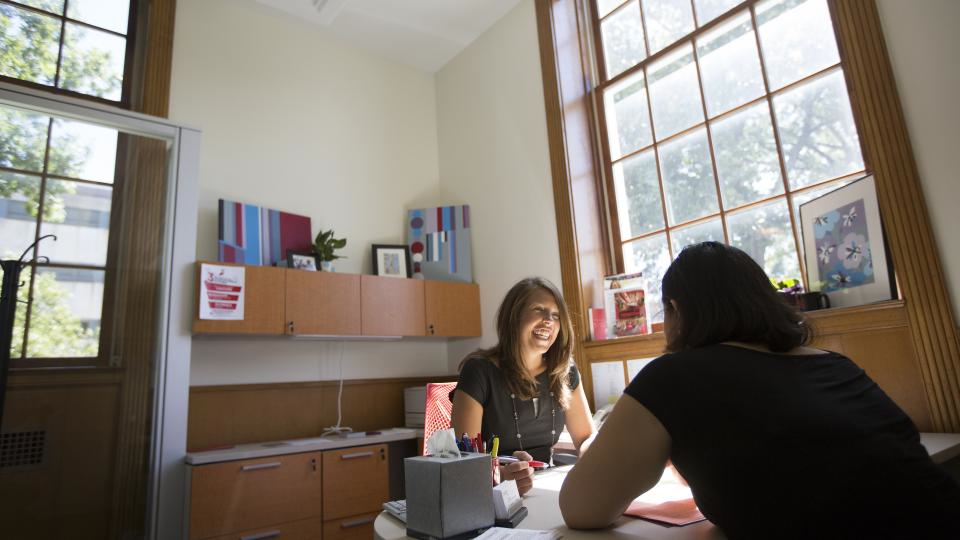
pixel 425 34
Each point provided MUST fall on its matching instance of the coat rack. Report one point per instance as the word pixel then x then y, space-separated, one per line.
pixel 8 310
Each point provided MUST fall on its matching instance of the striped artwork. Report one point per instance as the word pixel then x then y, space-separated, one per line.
pixel 439 240
pixel 252 235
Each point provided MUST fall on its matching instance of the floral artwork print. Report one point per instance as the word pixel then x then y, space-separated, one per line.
pixel 844 260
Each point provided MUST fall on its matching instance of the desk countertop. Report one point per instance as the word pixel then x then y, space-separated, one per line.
pixel 543 505
pixel 296 446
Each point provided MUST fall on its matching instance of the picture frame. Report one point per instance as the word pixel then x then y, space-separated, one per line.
pixel 391 260
pixel 302 260
pixel 844 247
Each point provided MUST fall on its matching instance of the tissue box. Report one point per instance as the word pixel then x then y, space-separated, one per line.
pixel 448 497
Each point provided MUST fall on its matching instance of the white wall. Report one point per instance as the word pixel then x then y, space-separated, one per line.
pixel 494 156
pixel 296 121
pixel 922 41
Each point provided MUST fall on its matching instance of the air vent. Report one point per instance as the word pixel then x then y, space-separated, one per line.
pixel 22 448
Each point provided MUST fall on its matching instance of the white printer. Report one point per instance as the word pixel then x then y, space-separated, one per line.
pixel 414 401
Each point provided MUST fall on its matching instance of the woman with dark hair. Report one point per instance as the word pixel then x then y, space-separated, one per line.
pixel 776 439
pixel 525 388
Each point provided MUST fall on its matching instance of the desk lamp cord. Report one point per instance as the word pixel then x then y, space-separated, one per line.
pixel 337 429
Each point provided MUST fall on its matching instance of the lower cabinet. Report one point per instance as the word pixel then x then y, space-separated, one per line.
pixel 332 494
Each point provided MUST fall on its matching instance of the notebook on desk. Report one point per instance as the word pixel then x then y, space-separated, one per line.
pixel 397 509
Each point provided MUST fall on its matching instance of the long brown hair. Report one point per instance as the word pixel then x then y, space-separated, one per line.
pixel 507 354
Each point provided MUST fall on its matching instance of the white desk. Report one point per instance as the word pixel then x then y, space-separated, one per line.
pixel 543 505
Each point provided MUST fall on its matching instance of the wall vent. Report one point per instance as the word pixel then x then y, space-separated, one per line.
pixel 22 448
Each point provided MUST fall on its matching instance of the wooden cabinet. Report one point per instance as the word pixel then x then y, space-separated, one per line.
pixel 281 301
pixel 263 303
pixel 452 309
pixel 322 303
pixel 333 495
pixel 247 495
pixel 391 306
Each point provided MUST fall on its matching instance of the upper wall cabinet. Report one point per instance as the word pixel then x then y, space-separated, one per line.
pixel 263 303
pixel 322 303
pixel 281 301
pixel 391 306
pixel 452 309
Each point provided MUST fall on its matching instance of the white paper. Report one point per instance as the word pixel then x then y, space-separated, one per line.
pixel 506 499
pixel 501 533
pixel 634 367
pixel 221 292
pixel 608 382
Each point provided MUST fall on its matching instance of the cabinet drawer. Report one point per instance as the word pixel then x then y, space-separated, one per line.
pixel 355 481
pixel 359 527
pixel 251 494
pixel 308 529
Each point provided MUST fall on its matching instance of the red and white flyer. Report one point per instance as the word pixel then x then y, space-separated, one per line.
pixel 221 292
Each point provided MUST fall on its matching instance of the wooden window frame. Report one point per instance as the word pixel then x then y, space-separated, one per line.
pixel 585 238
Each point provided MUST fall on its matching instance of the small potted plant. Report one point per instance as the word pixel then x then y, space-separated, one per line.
pixel 324 247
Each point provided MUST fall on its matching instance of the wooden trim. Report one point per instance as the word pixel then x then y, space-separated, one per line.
pixel 154 58
pixel 573 162
pixel 887 150
pixel 235 414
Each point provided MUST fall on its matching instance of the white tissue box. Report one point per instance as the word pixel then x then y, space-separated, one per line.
pixel 448 496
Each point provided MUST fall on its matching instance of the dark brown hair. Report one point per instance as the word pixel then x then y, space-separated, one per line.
pixel 723 295
pixel 507 354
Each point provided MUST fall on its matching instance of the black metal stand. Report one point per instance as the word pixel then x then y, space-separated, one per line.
pixel 8 312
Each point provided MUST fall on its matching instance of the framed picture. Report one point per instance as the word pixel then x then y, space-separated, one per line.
pixel 844 248
pixel 391 260
pixel 302 260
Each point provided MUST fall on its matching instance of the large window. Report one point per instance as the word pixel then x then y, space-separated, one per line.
pixel 719 118
pixel 75 46
pixel 56 175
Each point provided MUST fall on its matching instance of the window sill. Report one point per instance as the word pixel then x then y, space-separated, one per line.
pixel 826 322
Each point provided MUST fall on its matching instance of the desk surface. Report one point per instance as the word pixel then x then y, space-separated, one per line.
pixel 543 504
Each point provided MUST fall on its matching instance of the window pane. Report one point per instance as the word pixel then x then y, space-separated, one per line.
pixel 23 139
pixel 707 10
pixel 622 36
pixel 30 44
pixel 53 6
pixel 109 14
pixel 688 183
pixel 20 315
pixel 92 62
pixel 19 195
pixel 65 314
pixel 628 117
pixel 638 195
pixel 817 132
pixel 82 150
pixel 694 234
pixel 667 21
pixel 797 39
pixel 765 234
pixel 606 6
pixel 79 215
pixel 675 92
pixel 730 65
pixel 746 155
pixel 651 257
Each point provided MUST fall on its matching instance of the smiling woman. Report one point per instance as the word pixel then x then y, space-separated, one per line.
pixel 526 387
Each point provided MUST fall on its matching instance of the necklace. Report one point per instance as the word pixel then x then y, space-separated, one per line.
pixel 553 423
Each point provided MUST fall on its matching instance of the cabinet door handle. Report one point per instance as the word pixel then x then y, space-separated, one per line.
pixel 356 522
pixel 430 329
pixel 356 455
pixel 290 326
pixel 261 536
pixel 258 466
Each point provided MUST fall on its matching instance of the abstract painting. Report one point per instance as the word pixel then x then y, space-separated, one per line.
pixel 843 245
pixel 253 235
pixel 439 240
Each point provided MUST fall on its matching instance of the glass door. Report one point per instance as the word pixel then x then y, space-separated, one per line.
pixel 87 199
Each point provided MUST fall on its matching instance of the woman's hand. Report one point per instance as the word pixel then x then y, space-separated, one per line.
pixel 519 471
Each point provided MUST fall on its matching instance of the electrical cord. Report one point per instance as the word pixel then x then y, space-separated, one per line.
pixel 338 429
